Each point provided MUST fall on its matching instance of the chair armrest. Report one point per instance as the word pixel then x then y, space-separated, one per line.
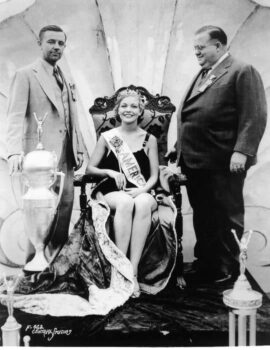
pixel 80 180
pixel 176 181
pixel 83 179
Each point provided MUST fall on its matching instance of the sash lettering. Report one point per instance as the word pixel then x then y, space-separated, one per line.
pixel 127 161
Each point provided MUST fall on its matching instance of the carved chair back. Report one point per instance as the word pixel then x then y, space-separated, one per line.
pixel 156 117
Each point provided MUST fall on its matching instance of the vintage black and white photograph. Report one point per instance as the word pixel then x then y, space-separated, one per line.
pixel 134 173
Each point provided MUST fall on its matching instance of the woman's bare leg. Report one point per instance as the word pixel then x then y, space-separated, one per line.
pixel 123 205
pixel 145 204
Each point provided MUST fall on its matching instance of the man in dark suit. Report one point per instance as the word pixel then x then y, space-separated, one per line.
pixel 220 124
pixel 42 89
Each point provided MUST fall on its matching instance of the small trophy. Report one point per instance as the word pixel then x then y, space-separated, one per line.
pixel 242 300
pixel 11 328
pixel 40 201
pixel 242 295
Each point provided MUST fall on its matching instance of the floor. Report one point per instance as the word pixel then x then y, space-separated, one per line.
pixel 193 317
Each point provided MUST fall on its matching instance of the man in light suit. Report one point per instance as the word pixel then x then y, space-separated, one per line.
pixel 42 89
pixel 220 124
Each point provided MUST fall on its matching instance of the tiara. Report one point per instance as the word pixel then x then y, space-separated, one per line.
pixel 132 92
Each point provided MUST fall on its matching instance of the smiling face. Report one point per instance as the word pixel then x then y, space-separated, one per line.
pixel 129 109
pixel 52 46
pixel 207 50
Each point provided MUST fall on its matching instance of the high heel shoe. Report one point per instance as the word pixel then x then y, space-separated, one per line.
pixel 136 292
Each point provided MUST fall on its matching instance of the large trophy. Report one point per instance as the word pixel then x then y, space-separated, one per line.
pixel 40 201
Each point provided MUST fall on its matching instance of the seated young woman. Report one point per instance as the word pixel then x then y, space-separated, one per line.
pixel 128 156
pixel 97 269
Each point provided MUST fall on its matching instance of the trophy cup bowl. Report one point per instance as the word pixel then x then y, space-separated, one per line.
pixel 40 201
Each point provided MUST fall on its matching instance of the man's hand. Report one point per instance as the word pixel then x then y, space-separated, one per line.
pixel 171 155
pixel 79 160
pixel 238 162
pixel 15 163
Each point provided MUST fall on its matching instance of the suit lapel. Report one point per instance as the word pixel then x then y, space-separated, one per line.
pixel 189 89
pixel 45 82
pixel 214 76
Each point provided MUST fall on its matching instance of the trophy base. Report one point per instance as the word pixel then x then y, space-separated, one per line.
pixel 11 332
pixel 38 263
pixel 11 324
pixel 242 296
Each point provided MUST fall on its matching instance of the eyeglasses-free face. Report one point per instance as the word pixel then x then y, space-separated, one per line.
pixel 52 46
pixel 129 109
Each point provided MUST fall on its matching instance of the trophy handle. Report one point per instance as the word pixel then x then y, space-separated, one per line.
pixel 62 178
pixel 25 181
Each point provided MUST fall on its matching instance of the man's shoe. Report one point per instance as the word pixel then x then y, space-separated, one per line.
pixel 222 278
pixel 198 276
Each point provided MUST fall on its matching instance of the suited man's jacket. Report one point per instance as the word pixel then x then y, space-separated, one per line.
pixel 32 92
pixel 227 115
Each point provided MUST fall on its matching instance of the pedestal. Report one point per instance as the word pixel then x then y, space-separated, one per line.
pixel 243 303
pixel 246 322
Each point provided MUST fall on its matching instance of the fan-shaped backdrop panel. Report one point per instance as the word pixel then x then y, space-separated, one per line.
pixel 137 34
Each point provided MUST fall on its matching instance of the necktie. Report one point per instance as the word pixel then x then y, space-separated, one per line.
pixel 202 76
pixel 58 78
pixel 205 72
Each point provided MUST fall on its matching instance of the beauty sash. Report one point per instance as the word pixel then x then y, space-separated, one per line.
pixel 127 161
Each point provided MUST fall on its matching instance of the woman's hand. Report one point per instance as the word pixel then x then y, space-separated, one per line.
pixel 119 178
pixel 134 192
